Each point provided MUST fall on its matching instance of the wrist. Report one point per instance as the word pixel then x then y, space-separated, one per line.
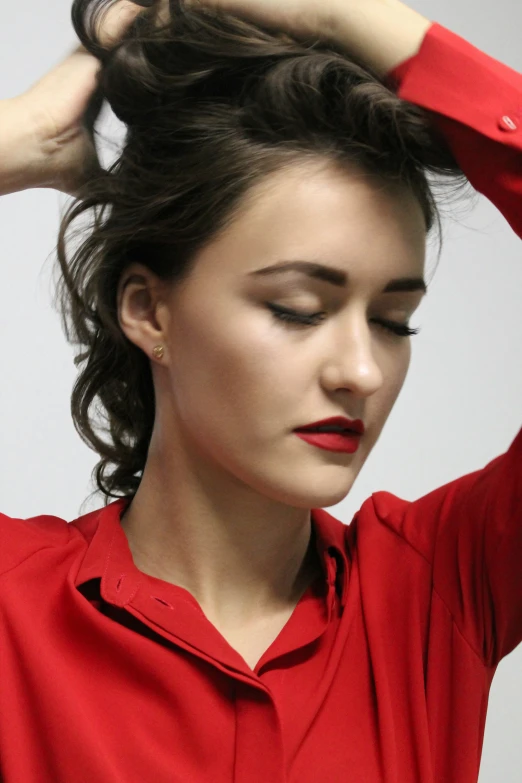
pixel 22 162
pixel 382 33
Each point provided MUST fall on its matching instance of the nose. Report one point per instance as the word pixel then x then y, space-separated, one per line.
pixel 354 364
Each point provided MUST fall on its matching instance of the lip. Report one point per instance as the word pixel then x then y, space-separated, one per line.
pixel 332 441
pixel 355 426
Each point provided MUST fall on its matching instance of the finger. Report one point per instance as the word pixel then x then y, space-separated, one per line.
pixel 79 64
pixel 116 21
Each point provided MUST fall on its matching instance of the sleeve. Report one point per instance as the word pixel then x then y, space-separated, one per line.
pixel 476 103
pixel 471 528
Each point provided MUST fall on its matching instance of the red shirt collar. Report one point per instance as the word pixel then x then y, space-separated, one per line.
pixel 109 557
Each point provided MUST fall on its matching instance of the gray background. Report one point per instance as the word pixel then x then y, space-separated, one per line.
pixel 462 402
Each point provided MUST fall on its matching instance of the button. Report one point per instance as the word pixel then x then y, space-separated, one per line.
pixel 507 124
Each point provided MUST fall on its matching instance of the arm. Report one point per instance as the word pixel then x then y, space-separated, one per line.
pixel 46 134
pixel 485 130
pixel 383 33
pixel 474 100
pixel 20 160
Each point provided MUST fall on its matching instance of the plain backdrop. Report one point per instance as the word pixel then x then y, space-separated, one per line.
pixel 460 407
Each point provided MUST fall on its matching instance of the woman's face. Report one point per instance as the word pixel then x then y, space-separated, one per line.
pixel 236 380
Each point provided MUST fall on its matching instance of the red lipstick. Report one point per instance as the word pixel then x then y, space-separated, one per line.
pixel 334 434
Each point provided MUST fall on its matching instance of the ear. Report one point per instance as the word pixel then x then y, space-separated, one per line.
pixel 142 308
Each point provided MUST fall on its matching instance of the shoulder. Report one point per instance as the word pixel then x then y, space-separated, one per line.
pixel 380 523
pixel 22 538
pixel 387 517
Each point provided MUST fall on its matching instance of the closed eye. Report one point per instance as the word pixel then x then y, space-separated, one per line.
pixel 314 319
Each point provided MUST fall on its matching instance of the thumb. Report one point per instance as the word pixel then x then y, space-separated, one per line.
pixel 116 20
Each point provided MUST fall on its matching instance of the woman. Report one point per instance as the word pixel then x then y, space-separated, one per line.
pixel 214 623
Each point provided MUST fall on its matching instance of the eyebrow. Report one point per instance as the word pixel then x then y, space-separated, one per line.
pixel 337 277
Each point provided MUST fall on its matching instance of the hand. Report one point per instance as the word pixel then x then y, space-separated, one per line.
pixel 61 109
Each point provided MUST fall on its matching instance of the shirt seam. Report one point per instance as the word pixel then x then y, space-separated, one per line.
pixel 32 554
pixel 461 633
pixel 443 600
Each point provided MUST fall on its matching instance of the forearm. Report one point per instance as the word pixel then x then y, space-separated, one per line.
pixel 383 33
pixel 21 164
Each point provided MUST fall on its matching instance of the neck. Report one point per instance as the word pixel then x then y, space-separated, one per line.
pixel 240 554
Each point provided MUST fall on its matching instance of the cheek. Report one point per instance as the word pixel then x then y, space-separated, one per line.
pixel 218 377
pixel 395 372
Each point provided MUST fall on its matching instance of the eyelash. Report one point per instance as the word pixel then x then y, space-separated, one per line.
pixel 282 314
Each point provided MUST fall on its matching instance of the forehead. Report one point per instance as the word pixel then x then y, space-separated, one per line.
pixel 371 229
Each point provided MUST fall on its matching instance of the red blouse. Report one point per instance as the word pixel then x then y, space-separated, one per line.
pixel 382 673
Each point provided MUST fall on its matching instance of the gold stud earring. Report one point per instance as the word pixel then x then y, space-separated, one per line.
pixel 158 351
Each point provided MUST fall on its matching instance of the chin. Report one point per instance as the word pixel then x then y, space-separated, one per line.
pixel 317 493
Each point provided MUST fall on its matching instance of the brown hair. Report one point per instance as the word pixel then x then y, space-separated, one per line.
pixel 211 104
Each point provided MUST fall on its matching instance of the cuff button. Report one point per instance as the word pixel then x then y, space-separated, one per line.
pixel 507 124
